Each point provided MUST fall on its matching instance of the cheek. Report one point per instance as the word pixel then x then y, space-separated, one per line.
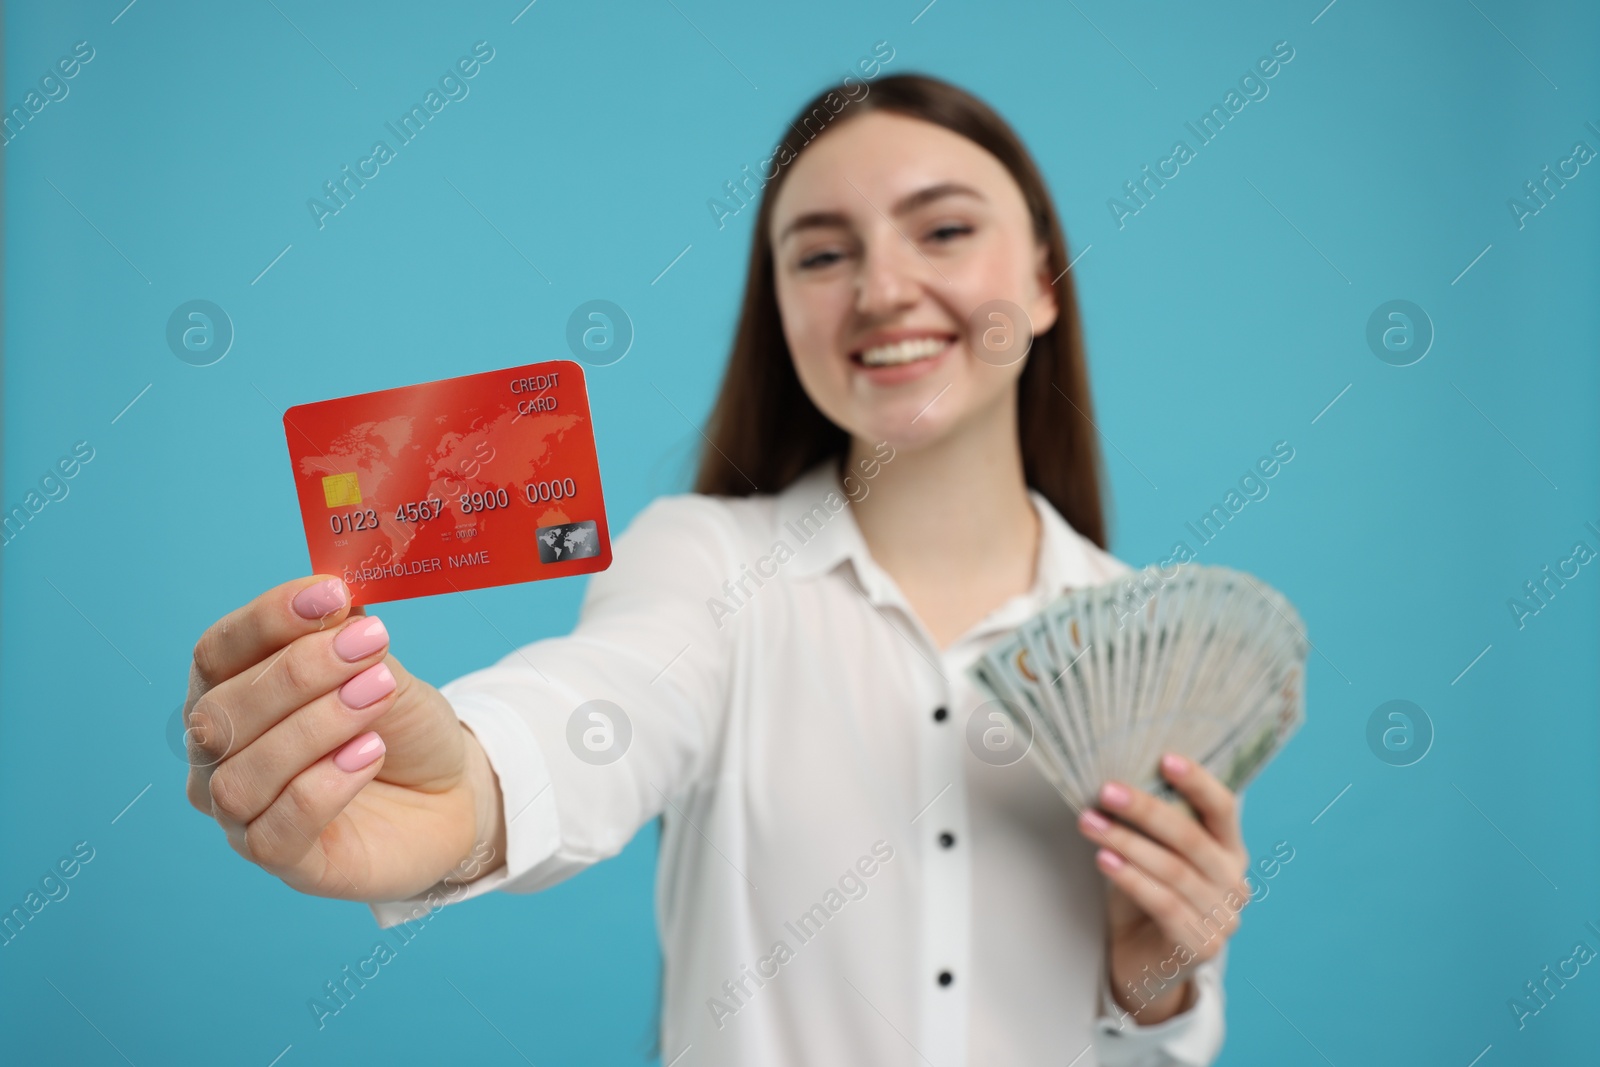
pixel 813 318
pixel 1004 269
pixel 987 279
pixel 802 328
pixel 821 386
pixel 810 326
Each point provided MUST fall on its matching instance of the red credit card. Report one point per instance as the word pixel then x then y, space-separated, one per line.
pixel 482 480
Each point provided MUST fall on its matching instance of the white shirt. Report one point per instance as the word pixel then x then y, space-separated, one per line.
pixel 806 899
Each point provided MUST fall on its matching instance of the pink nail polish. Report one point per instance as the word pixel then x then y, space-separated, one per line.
pixel 1175 764
pixel 1094 820
pixel 360 639
pixel 1110 860
pixel 372 684
pixel 1114 795
pixel 324 598
pixel 359 752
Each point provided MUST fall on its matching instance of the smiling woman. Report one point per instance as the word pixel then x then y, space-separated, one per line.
pixel 768 426
pixel 776 714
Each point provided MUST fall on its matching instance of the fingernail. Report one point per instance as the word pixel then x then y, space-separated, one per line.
pixel 1094 820
pixel 1108 859
pixel 324 598
pixel 1174 764
pixel 358 753
pixel 1114 795
pixel 374 683
pixel 361 639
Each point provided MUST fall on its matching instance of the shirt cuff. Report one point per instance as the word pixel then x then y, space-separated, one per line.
pixel 1191 1038
pixel 533 828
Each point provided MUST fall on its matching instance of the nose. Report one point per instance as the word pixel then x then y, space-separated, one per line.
pixel 890 276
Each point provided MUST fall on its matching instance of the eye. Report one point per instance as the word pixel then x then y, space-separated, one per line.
pixel 825 257
pixel 950 231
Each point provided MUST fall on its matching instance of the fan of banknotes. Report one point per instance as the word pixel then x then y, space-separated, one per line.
pixel 1201 660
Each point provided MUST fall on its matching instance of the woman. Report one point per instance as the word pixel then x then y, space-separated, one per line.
pixel 776 664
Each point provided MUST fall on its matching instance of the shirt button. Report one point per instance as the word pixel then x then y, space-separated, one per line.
pixel 940 714
pixel 945 978
pixel 947 839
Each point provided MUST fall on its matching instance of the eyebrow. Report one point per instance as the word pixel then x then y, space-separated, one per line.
pixel 906 205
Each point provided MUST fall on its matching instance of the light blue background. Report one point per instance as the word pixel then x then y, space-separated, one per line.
pixel 1415 506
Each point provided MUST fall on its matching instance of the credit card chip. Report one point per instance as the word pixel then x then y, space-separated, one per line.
pixel 341 490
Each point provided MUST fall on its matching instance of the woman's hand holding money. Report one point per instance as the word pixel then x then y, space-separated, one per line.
pixel 1177 885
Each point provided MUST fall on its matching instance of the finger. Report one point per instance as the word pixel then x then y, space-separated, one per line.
pixel 245 784
pixel 1207 898
pixel 249 634
pixel 1170 911
pixel 1173 827
pixel 1216 804
pixel 231 716
pixel 286 840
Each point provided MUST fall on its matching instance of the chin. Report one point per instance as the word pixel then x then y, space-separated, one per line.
pixel 900 423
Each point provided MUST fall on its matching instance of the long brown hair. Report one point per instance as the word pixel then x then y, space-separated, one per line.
pixel 764 431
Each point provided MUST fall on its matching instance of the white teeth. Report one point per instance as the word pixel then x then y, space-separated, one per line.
pixel 903 351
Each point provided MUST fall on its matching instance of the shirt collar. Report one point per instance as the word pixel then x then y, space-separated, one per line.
pixel 815 519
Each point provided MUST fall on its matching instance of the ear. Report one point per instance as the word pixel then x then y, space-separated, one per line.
pixel 1044 310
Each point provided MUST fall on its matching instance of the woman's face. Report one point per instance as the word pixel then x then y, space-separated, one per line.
pixel 888 236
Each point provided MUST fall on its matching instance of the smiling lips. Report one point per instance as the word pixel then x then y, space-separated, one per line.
pixel 898 353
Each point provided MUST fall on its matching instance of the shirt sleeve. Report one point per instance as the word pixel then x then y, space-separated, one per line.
pixel 1191 1038
pixel 648 643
